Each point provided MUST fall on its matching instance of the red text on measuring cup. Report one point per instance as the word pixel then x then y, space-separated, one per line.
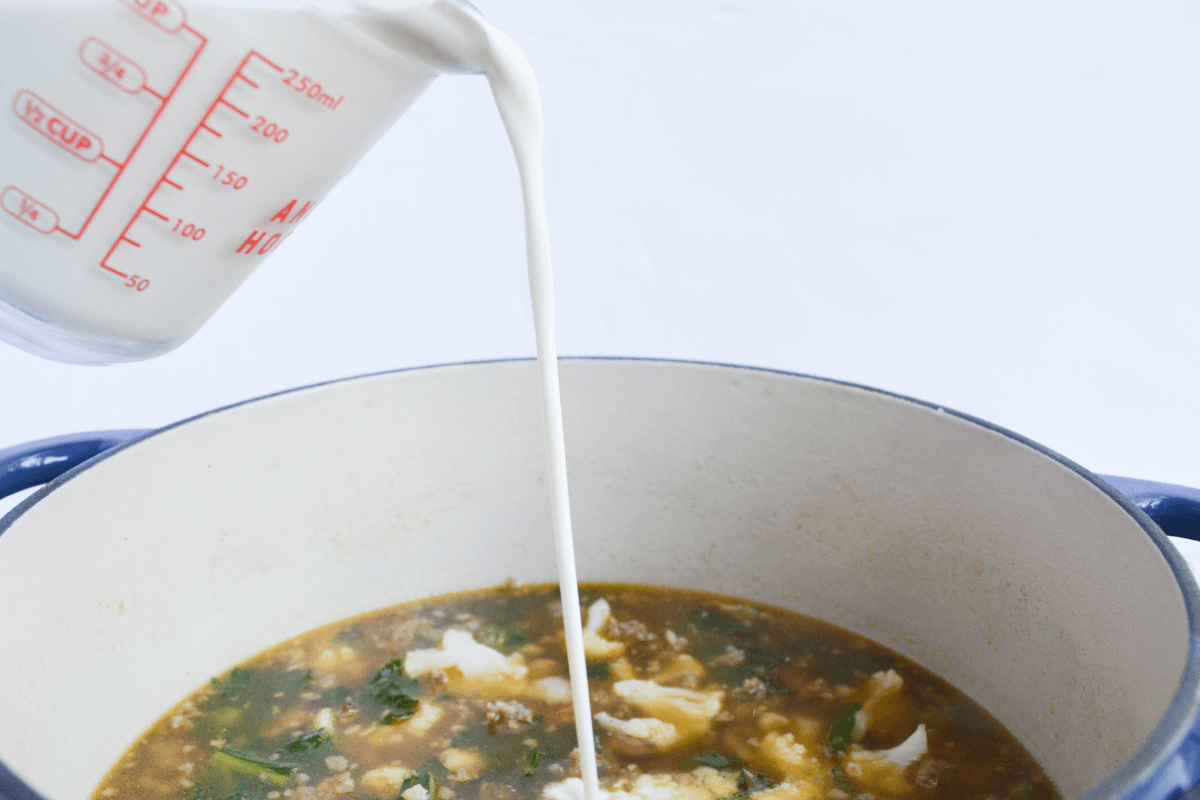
pixel 112 66
pixel 34 214
pixel 166 14
pixel 57 126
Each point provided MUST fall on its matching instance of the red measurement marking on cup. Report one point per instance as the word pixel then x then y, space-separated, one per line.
pixel 311 89
pixel 57 126
pixel 166 14
pixel 115 68
pixel 38 216
pixel 177 181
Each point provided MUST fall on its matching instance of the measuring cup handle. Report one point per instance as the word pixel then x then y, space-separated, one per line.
pixel 1176 509
pixel 33 463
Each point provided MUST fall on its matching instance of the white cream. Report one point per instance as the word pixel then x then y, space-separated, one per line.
pixel 450 36
pixel 520 107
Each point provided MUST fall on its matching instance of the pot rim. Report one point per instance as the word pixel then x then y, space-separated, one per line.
pixel 1154 755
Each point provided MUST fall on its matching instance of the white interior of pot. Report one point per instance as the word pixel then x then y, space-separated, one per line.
pixel 981 558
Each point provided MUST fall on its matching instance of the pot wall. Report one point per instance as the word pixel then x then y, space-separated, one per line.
pixel 990 562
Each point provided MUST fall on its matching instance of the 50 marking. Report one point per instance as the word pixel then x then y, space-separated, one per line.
pixel 188 230
pixel 137 282
pixel 230 178
pixel 269 129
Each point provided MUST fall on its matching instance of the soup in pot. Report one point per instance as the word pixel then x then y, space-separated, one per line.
pixel 466 697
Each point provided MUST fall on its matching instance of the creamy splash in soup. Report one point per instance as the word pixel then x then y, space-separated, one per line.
pixel 465 697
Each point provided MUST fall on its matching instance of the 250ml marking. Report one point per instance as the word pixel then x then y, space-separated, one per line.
pixel 311 89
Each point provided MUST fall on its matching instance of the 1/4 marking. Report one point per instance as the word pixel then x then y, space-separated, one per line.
pixel 269 129
pixel 188 230
pixel 36 215
pixel 229 177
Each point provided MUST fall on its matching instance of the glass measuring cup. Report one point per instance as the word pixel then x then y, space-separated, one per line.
pixel 155 151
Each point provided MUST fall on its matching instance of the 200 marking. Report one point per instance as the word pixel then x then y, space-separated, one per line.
pixel 230 178
pixel 269 129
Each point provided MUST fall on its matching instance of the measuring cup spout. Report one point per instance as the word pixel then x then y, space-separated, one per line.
pixel 448 36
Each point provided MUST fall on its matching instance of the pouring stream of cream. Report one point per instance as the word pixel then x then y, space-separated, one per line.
pixel 451 36
pixel 517 97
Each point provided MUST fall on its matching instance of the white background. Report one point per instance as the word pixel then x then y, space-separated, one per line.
pixel 990 205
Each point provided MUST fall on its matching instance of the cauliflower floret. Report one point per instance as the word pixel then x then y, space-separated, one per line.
pixel 621 670
pixel 682 667
pixel 463 765
pixel 386 781
pixel 704 783
pixel 417 792
pixel 428 715
pixel 470 667
pixel 883 704
pixel 791 758
pixel 553 690
pixel 645 729
pixel 324 719
pixel 690 711
pixel 333 657
pixel 883 770
pixel 420 723
pixel 595 646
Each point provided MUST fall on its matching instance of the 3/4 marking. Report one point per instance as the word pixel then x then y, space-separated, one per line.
pixel 112 66
pixel 36 215
pixel 57 126
pixel 230 178
pixel 269 129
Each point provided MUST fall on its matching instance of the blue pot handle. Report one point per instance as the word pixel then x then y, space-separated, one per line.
pixel 1176 509
pixel 27 465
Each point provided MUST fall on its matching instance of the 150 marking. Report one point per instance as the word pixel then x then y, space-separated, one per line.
pixel 230 178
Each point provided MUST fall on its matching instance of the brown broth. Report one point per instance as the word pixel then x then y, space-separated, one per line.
pixel 762 703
